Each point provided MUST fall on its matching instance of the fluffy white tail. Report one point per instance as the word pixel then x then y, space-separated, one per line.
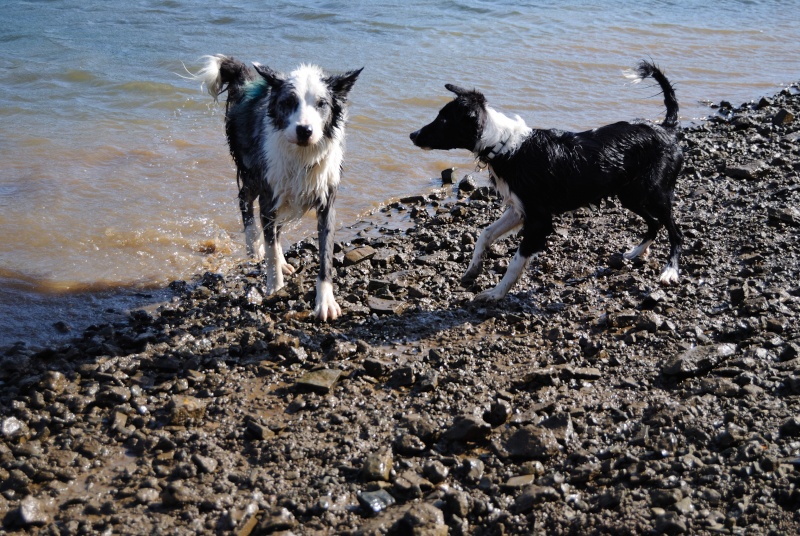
pixel 209 76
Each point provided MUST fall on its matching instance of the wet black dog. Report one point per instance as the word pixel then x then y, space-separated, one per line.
pixel 540 173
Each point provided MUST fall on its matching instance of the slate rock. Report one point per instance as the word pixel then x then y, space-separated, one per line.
pixel 698 360
pixel 528 443
pixel 468 428
pixel 320 380
pixel 375 502
pixel 358 255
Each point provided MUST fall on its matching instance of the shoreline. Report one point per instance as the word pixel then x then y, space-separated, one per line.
pixel 590 400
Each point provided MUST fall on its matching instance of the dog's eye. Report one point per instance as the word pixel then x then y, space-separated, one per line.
pixel 322 103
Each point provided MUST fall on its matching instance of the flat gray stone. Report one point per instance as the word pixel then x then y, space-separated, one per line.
pixel 382 306
pixel 358 255
pixel 321 380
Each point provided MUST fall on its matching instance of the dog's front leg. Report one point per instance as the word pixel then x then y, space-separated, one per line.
pixel 509 221
pixel 533 241
pixel 326 307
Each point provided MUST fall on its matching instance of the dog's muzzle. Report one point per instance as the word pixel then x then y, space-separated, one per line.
pixel 414 135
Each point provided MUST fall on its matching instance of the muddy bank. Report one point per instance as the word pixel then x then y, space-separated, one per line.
pixel 590 400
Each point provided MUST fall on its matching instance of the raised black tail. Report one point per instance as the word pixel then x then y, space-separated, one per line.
pixel 223 73
pixel 647 69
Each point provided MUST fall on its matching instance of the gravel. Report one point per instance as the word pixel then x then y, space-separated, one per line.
pixel 590 400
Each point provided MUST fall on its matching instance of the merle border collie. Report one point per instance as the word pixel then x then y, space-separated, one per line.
pixel 286 137
pixel 540 173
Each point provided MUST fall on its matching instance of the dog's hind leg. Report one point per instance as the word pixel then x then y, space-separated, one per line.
pixel 671 270
pixel 254 239
pixel 643 248
pixel 509 221
pixel 273 257
pixel 533 242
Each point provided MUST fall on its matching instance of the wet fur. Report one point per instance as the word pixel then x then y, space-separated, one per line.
pixel 286 136
pixel 540 173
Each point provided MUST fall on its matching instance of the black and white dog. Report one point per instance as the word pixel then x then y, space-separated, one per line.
pixel 540 173
pixel 286 136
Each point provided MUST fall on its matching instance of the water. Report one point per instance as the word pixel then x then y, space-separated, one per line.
pixel 115 177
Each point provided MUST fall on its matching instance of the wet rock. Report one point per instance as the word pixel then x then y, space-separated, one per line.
pixel 377 466
pixel 148 496
pixel 374 502
pixel 783 117
pixel 467 184
pixel 528 443
pixel 520 481
pixel 468 428
pixel 473 469
pixel 791 427
pixel 784 215
pixel 498 414
pixel 11 427
pixel 277 520
pixel 382 306
pixel 320 380
pixel 748 171
pixel 421 520
pixel 205 464
pixel 177 495
pixel 359 255
pixel 184 409
pixel 435 471
pixel 533 496
pixel 31 512
pixel 448 176
pixel 411 485
pixel 698 360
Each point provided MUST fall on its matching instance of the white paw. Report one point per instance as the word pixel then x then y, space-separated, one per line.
pixel 273 287
pixel 287 269
pixel 326 307
pixel 642 250
pixel 491 295
pixel 328 311
pixel 669 276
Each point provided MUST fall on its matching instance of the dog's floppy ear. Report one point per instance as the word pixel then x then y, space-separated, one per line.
pixel 343 83
pixel 273 78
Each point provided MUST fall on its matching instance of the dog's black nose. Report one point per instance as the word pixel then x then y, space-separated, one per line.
pixel 414 135
pixel 303 133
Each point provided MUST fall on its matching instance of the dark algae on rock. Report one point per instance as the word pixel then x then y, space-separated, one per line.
pixel 589 401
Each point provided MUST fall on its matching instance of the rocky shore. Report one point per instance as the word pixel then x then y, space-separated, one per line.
pixel 590 401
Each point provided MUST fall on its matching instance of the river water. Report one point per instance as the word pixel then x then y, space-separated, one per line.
pixel 115 177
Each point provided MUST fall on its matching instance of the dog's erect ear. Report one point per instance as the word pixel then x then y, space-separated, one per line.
pixel 471 95
pixel 273 78
pixel 343 83
pixel 460 91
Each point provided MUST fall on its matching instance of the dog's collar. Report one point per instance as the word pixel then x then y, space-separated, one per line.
pixel 490 153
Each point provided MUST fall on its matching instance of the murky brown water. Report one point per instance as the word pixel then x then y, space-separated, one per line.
pixel 115 174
